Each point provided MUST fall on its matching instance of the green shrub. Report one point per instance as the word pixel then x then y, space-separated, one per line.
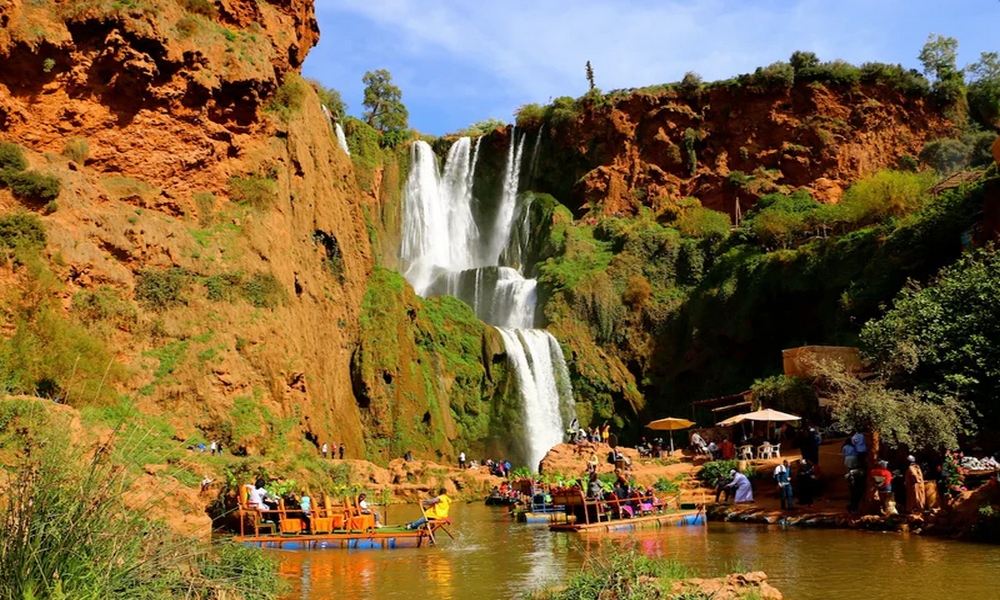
pixel 886 193
pixel 289 97
pixel 34 186
pixel 779 74
pixel 224 287
pixel 263 290
pixel 907 163
pixel 11 157
pixel 691 137
pixel 21 230
pixel 666 486
pixel 691 83
pixel 330 98
pixel 563 111
pixel 77 149
pixel 803 60
pixel 104 305
pixel 201 7
pixel 637 292
pixel 159 289
pixel 482 127
pixel 529 116
pixel 256 190
pixel 706 223
pixel 944 155
pixel 714 470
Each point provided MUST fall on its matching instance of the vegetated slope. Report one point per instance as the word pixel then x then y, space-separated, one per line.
pixel 657 298
pixel 208 233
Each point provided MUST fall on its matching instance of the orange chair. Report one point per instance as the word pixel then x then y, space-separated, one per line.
pixel 289 525
pixel 255 515
pixel 355 520
pixel 322 522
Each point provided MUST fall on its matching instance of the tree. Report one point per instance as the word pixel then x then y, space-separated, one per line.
pixel 803 60
pixel 939 57
pixel 984 89
pixel 384 102
pixel 590 75
pixel 940 340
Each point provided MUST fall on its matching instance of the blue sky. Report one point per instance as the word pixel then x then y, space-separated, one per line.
pixel 462 61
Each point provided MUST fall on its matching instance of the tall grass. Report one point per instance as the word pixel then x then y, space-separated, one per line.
pixel 619 574
pixel 67 531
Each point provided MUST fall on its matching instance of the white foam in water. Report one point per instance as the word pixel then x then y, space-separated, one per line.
pixel 444 253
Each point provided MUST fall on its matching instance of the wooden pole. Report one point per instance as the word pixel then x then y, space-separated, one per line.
pixel 430 530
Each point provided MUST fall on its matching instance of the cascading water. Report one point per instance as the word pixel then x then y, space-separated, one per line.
pixel 338 130
pixel 444 252
pixel 341 138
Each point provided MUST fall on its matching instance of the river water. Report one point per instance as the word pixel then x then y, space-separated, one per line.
pixel 494 557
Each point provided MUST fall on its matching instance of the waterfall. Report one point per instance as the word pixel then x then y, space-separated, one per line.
pixel 508 199
pixel 535 155
pixel 341 139
pixel 444 253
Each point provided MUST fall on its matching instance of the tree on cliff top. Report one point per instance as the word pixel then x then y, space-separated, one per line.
pixel 939 57
pixel 384 102
pixel 590 75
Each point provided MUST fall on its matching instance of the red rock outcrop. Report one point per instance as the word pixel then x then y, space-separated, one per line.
pixel 639 149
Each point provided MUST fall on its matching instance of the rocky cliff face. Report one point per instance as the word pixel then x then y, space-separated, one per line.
pixel 726 144
pixel 203 199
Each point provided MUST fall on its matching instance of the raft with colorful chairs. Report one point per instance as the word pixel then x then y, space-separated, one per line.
pixel 331 525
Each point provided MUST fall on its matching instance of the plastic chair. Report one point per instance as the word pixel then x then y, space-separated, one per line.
pixel 764 451
pixel 745 452
pixel 776 450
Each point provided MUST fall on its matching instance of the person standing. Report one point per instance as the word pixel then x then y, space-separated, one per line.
pixel 914 486
pixel 606 433
pixel 342 451
pixel 810 446
pixel 860 448
pixel 213 447
pixel 856 486
pixel 461 460
pixel 325 449
pixel 782 476
pixel 850 455
pixel 805 483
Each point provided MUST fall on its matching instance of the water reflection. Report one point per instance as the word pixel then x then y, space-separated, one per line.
pixel 494 557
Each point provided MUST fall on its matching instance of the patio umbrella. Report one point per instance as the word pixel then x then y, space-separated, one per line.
pixel 670 424
pixel 769 415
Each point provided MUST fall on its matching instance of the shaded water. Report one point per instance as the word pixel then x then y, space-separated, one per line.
pixel 494 557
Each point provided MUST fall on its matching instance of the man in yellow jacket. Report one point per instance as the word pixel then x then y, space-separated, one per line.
pixel 438 508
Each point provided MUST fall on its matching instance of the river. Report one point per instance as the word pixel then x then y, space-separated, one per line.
pixel 494 558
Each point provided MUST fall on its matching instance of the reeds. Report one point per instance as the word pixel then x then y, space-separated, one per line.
pixel 67 531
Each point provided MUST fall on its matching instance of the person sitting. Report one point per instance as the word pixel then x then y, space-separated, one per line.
pixel 727 450
pixel 713 449
pixel 882 482
pixel 305 505
pixel 260 499
pixel 439 507
pixel 594 487
pixel 366 510
pixel 698 443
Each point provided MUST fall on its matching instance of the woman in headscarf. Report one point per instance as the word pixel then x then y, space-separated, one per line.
pixel 914 486
pixel 740 483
